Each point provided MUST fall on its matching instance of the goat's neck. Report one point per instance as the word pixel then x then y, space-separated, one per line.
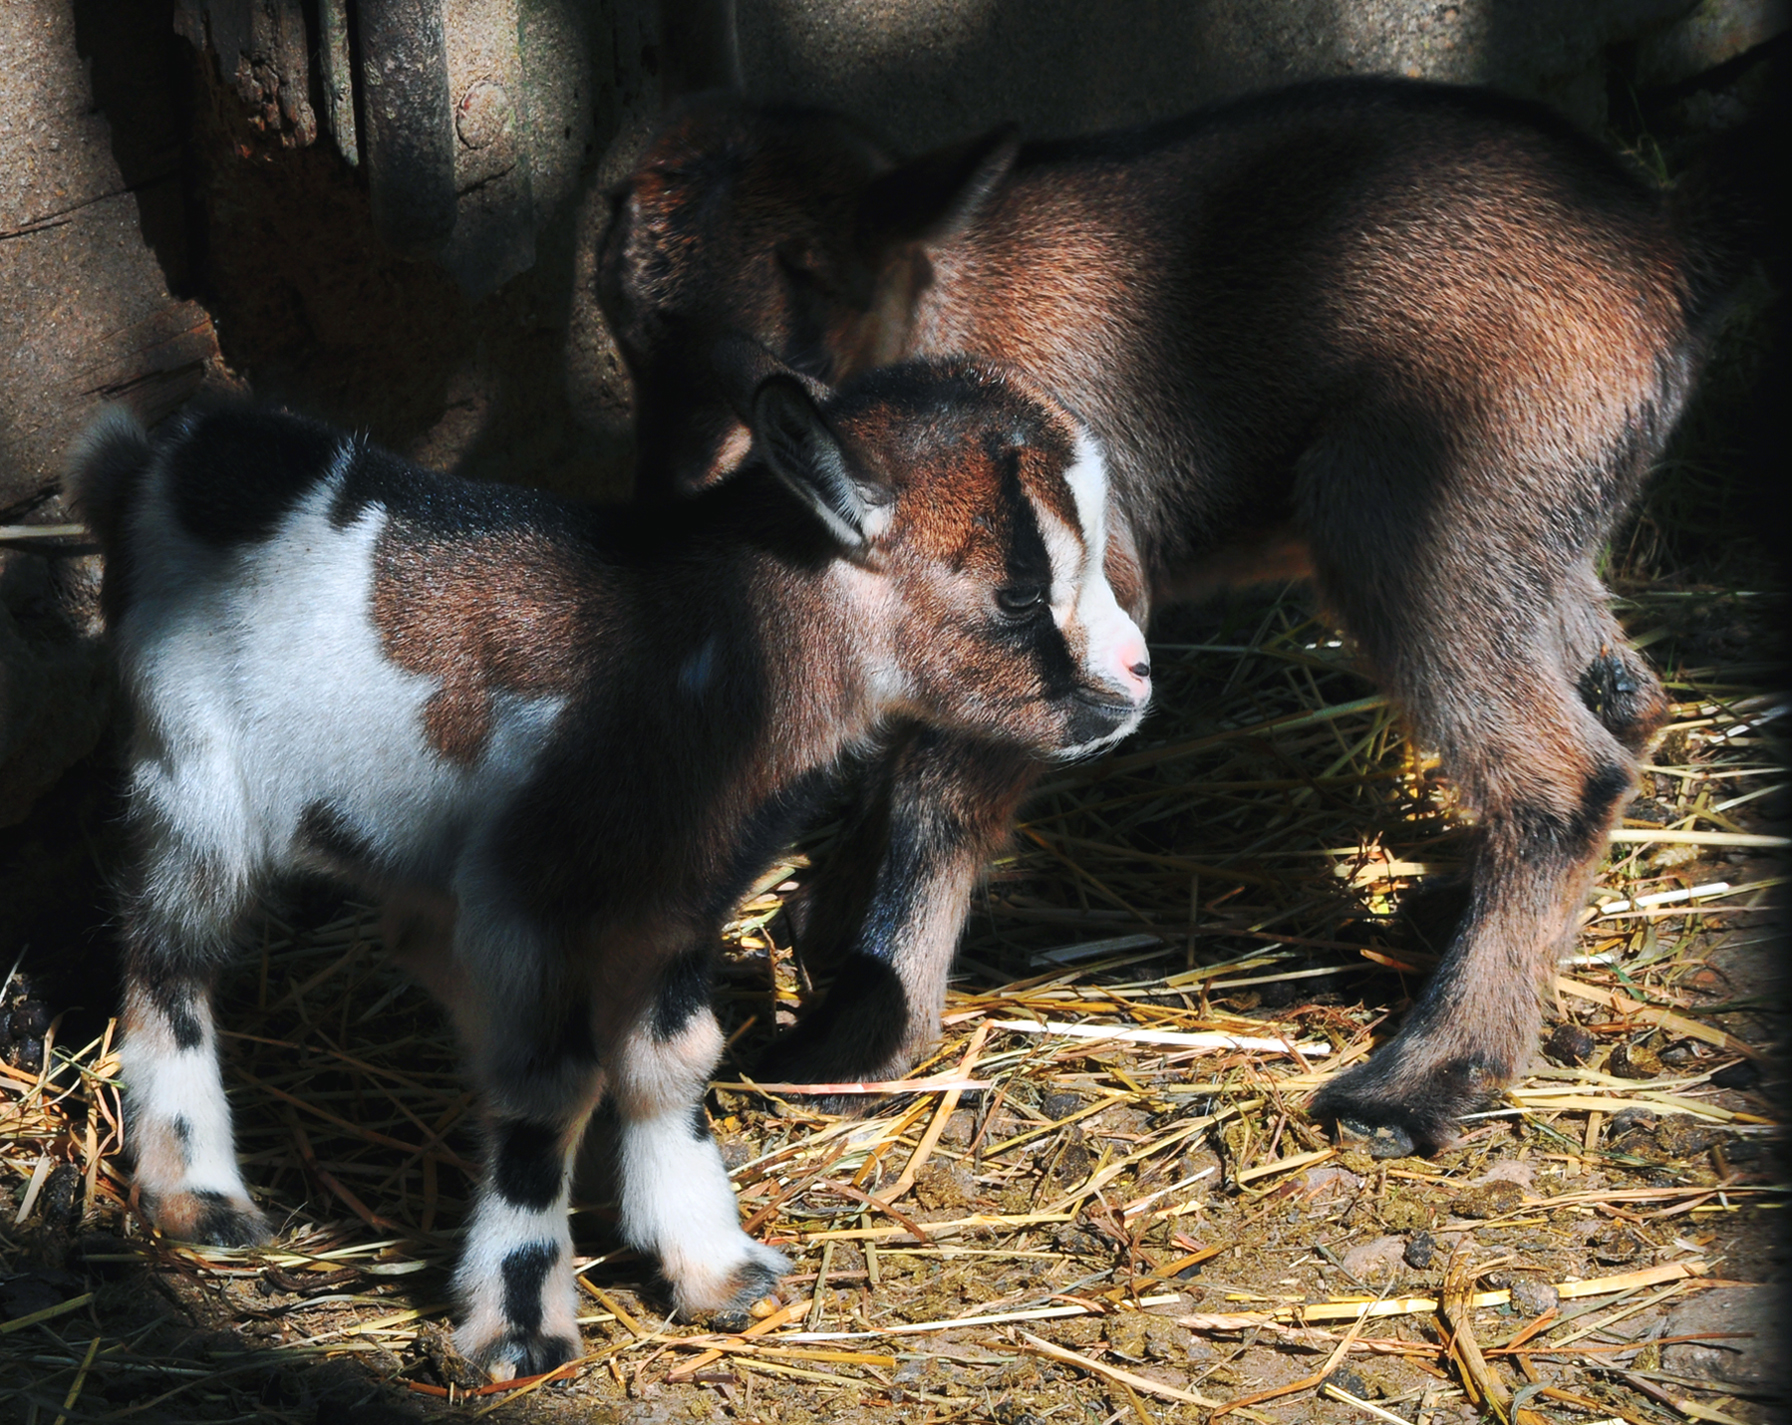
pixel 769 669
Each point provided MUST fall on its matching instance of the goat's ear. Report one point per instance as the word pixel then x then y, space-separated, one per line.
pixel 938 195
pixel 806 455
pixel 740 367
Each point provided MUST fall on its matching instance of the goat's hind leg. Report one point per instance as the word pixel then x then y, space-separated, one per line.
pixel 177 1116
pixel 677 1202
pixel 1500 691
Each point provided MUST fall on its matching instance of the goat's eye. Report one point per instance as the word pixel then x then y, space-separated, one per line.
pixel 1021 600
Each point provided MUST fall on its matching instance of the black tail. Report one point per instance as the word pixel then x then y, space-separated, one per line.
pixel 105 468
pixel 1725 205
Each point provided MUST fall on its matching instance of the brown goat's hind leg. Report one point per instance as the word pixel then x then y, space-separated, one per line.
pixel 1545 770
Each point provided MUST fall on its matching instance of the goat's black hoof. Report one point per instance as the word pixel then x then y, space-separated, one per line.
pixel 205 1215
pixel 517 1355
pixel 1383 1140
pixel 1396 1110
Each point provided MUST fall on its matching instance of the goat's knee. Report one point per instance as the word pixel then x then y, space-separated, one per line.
pixel 1622 691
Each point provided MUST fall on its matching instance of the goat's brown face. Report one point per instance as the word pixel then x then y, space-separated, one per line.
pixel 976 510
pixel 788 226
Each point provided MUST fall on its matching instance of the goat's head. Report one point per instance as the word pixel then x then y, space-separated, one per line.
pixel 975 511
pixel 789 225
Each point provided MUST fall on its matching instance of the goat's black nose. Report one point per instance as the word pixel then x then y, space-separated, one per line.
pixel 1141 669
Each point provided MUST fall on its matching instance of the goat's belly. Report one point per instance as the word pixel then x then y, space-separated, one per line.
pixel 1257 557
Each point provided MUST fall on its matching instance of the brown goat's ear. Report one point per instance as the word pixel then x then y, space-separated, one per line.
pixel 803 452
pixel 740 367
pixel 938 195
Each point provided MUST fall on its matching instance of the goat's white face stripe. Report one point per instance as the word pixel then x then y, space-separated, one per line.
pixel 1100 634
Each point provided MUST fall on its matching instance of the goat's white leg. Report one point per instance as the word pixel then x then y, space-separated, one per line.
pixel 531 1045
pixel 677 1202
pixel 177 1117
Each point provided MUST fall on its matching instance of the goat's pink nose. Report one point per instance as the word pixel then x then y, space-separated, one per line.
pixel 1135 668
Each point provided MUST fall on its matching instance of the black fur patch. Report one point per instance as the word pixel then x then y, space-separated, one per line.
pixel 444 505
pixel 223 1224
pixel 173 999
pixel 683 994
pixel 527 1165
pixel 326 830
pixel 1607 687
pixel 860 1023
pixel 183 1134
pixel 906 863
pixel 1603 788
pixel 525 1271
pixel 238 471
pixel 699 1122
pixel 1027 563
pixel 185 1026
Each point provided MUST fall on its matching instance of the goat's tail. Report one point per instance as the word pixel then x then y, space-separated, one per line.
pixel 1724 206
pixel 105 469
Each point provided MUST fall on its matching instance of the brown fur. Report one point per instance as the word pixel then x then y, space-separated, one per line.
pixel 1422 343
pixel 480 614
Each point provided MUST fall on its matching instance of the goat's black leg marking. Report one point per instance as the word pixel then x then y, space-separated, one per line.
pixel 684 992
pixel 538 1072
pixel 527 1163
pixel 933 815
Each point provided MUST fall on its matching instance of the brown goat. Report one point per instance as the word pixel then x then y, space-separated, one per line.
pixel 1421 343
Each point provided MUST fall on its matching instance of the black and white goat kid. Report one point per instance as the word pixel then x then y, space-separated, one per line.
pixel 561 741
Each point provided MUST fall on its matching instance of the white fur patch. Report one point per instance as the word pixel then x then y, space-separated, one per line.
pixel 677 1203
pixel 186 1086
pixel 1101 635
pixel 1111 638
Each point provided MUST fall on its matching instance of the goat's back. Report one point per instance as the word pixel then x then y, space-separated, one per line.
pixel 1210 293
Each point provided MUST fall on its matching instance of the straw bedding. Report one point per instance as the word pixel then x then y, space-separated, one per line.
pixel 1053 1221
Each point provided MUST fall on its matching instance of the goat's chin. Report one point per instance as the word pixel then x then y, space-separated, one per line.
pixel 1085 751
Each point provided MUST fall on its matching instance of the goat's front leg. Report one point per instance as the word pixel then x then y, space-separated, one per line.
pixel 887 913
pixel 677 1202
pixel 537 1071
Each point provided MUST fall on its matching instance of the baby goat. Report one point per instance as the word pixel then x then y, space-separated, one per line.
pixel 1422 343
pixel 562 741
